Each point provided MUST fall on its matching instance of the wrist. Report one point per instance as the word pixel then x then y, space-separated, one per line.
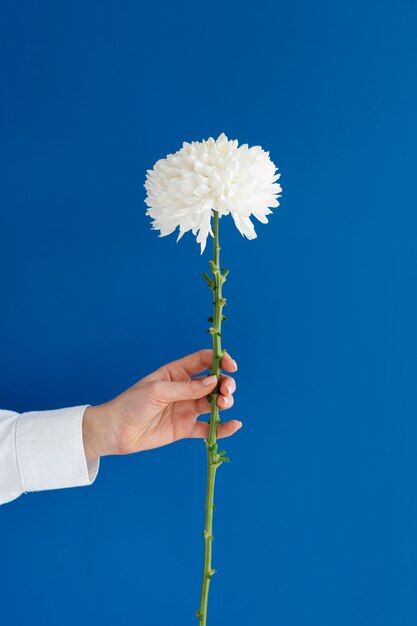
pixel 98 431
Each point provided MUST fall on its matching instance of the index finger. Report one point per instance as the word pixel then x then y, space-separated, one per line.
pixel 197 362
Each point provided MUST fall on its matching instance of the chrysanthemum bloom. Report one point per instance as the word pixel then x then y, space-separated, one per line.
pixel 185 187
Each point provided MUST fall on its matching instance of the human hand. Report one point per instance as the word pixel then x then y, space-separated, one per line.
pixel 161 408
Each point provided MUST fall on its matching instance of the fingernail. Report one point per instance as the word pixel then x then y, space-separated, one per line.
pixel 234 363
pixel 229 389
pixel 209 380
pixel 240 424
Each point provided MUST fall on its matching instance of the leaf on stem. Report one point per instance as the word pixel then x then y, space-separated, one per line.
pixel 222 458
pixel 213 266
pixel 208 280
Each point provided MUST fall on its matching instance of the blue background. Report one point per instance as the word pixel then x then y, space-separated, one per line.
pixel 317 512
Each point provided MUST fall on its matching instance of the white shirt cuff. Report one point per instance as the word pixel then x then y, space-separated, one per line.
pixel 10 482
pixel 50 450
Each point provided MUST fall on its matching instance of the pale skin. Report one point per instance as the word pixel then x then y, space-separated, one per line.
pixel 161 408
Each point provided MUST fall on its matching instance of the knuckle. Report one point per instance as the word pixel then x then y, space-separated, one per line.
pixel 227 402
pixel 177 370
pixel 153 389
pixel 228 389
pixel 205 355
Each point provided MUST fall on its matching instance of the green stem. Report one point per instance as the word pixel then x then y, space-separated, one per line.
pixel 214 460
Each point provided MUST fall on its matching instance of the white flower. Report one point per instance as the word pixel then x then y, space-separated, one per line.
pixel 184 188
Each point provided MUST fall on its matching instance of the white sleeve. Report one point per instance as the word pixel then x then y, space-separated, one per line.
pixel 43 450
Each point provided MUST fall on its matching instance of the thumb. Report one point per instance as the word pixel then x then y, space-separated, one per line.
pixel 191 389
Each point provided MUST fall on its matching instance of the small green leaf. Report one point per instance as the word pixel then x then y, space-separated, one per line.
pixel 208 280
